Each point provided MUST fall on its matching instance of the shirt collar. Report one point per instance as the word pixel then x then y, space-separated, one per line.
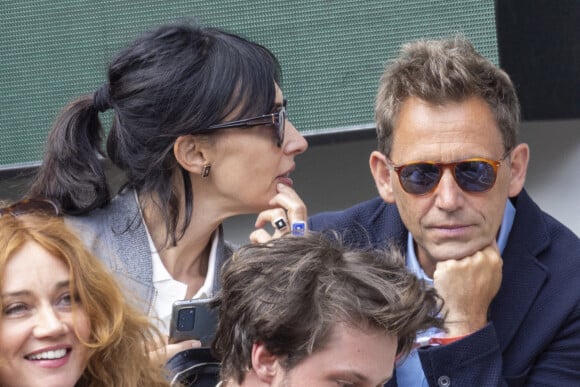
pixel 206 290
pixel 161 274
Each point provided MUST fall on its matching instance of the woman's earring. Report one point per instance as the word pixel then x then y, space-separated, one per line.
pixel 205 170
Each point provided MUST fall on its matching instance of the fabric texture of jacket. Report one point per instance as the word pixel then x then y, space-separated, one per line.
pixel 533 334
pixel 117 235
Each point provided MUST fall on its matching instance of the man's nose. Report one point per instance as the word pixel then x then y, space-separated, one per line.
pixel 449 194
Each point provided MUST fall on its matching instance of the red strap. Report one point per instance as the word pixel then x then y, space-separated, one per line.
pixel 444 340
pixel 429 341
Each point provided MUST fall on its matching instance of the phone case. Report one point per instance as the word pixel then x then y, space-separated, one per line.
pixel 193 319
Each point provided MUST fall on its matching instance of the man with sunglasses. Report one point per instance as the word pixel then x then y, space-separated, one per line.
pixel 450 175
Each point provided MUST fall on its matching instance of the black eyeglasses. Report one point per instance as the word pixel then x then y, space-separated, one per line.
pixel 472 175
pixel 277 119
pixel 27 206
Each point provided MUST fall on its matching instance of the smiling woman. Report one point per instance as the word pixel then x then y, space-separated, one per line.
pixel 64 321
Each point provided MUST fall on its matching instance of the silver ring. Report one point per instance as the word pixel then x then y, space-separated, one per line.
pixel 280 223
pixel 298 228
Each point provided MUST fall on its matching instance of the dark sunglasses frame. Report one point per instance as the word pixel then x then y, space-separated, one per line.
pixel 466 186
pixel 27 206
pixel 277 119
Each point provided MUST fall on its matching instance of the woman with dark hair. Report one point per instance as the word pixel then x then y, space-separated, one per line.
pixel 201 134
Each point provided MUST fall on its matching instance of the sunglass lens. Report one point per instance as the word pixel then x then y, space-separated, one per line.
pixel 280 123
pixel 475 176
pixel 26 206
pixel 420 178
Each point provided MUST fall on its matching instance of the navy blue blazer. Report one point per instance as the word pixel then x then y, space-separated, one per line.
pixel 533 334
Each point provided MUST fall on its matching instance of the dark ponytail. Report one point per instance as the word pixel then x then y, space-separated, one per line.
pixel 72 173
pixel 175 80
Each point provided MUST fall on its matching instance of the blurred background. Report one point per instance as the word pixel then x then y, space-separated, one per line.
pixel 332 54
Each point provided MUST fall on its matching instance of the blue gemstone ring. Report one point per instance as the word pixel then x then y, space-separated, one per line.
pixel 298 228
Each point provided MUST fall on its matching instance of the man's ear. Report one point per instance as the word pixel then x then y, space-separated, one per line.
pixel 190 153
pixel 518 164
pixel 382 175
pixel 264 364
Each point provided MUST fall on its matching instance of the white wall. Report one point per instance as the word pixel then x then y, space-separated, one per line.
pixel 335 176
pixel 554 172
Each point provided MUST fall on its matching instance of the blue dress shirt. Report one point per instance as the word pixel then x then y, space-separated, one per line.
pixel 409 372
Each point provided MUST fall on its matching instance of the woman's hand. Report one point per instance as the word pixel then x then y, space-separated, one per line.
pixel 288 212
pixel 166 351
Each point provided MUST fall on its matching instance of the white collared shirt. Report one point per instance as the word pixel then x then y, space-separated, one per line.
pixel 168 290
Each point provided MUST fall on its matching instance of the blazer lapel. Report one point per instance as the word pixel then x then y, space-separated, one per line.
pixel 523 275
pixel 223 253
pixel 131 245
